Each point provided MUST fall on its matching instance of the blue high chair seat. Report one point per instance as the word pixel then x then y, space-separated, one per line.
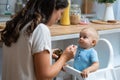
pixel 105 71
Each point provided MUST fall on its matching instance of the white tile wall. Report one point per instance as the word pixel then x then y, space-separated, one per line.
pixel 99 14
pixel 11 3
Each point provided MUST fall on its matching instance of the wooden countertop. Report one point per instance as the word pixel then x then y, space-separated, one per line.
pixel 57 30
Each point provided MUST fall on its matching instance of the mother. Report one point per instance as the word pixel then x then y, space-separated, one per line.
pixel 27 51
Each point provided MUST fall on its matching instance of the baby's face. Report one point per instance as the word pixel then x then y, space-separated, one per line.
pixel 86 39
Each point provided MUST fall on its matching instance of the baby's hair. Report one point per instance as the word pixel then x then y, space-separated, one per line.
pixel 94 33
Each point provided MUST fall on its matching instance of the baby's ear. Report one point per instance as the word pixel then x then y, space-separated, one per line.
pixel 94 42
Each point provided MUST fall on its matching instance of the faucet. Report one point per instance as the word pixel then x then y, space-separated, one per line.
pixel 7 6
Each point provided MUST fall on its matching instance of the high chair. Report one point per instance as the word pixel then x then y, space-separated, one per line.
pixel 105 71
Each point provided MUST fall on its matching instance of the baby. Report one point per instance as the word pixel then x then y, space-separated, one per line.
pixel 86 59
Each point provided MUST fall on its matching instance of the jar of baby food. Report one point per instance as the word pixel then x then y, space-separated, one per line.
pixel 75 14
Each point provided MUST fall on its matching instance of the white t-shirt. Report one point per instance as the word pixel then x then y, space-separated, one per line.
pixel 18 59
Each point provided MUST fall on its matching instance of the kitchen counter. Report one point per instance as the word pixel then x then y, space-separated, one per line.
pixel 57 30
pixel 72 31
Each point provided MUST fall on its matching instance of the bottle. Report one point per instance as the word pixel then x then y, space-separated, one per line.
pixel 19 6
pixel 65 19
pixel 75 14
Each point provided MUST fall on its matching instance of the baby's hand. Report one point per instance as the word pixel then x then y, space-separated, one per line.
pixel 85 73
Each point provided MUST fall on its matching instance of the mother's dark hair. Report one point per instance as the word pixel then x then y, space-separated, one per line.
pixel 36 11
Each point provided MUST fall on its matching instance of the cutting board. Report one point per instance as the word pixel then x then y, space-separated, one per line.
pixel 112 22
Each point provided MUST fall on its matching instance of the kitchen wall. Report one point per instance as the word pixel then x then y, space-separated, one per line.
pixel 98 8
pixel 117 10
pixel 13 5
pixel 3 5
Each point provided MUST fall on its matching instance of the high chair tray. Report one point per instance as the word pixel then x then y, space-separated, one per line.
pixel 71 70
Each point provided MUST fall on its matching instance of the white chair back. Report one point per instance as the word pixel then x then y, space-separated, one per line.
pixel 105 53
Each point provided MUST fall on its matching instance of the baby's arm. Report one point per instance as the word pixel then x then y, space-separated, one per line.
pixel 90 69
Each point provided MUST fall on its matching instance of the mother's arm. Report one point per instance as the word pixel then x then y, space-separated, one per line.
pixel 44 70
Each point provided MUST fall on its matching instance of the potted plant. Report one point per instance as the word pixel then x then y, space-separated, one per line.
pixel 108 14
pixel 106 1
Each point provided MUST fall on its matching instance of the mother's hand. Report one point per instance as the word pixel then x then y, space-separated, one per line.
pixel 69 52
